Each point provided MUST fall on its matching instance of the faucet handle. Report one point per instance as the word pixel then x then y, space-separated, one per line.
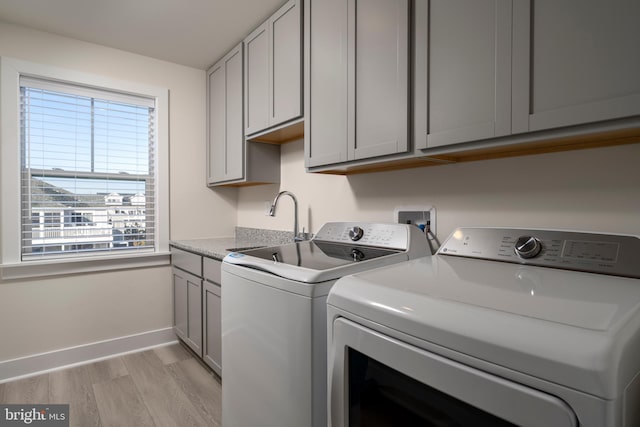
pixel 302 236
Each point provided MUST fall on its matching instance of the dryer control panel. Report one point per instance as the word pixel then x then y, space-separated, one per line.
pixel 612 254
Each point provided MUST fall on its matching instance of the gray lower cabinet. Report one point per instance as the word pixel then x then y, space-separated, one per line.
pixel 357 79
pixel 187 297
pixel 197 305
pixel 212 315
pixel 231 160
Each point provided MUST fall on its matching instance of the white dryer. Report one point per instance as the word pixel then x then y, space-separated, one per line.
pixel 502 327
pixel 274 338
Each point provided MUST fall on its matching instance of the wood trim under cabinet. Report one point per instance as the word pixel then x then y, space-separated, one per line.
pixel 461 153
pixel 579 142
pixel 281 134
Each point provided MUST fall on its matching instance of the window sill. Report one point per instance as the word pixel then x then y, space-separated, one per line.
pixel 58 267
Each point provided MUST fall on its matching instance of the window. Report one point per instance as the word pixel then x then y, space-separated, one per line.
pixel 84 172
pixel 85 151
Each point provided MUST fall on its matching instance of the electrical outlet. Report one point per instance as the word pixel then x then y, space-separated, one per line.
pixel 418 216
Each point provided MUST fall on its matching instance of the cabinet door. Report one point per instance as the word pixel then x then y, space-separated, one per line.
pixel 234 108
pixel 326 82
pixel 216 111
pixel 576 61
pixel 256 88
pixel 187 310
pixel 357 95
pixel 466 62
pixel 194 301
pixel 285 44
pixel 212 321
pixel 225 119
pixel 378 77
pixel 180 306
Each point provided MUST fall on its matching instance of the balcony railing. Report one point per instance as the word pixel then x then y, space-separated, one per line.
pixel 83 233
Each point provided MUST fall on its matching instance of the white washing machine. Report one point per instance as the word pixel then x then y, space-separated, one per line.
pixel 502 327
pixel 274 339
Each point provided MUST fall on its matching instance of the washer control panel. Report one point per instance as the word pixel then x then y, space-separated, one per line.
pixel 395 236
pixel 591 252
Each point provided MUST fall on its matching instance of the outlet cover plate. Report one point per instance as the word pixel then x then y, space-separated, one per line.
pixel 417 215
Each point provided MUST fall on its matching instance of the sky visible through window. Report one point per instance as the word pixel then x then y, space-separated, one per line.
pixel 71 133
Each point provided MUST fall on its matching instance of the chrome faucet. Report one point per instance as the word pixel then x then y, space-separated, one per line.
pixel 297 236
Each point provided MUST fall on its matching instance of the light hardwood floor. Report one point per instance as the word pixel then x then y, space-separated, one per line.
pixel 165 386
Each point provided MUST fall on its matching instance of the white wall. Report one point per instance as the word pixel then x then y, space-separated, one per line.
pixel 596 189
pixel 48 314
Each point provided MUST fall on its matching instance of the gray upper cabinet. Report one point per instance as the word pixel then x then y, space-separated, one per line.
pixel 575 62
pixel 230 159
pixel 273 70
pixel 326 24
pixel 224 109
pixel 357 77
pixel 379 42
pixel 256 103
pixel 285 43
pixel 494 68
pixel 463 71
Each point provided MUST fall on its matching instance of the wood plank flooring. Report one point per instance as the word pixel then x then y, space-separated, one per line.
pixel 165 386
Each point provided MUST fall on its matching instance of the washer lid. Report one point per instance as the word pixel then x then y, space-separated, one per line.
pixel 317 255
pixel 577 329
pixel 333 253
pixel 315 261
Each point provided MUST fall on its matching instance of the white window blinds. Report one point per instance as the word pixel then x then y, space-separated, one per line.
pixel 88 178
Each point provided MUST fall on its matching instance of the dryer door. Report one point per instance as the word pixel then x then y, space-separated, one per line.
pixel 375 377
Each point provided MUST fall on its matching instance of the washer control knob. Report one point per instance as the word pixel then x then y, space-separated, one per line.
pixel 527 247
pixel 356 233
pixel 357 255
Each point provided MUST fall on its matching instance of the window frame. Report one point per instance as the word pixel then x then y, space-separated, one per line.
pixel 11 265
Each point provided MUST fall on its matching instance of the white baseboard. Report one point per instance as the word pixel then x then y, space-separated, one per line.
pixel 67 357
